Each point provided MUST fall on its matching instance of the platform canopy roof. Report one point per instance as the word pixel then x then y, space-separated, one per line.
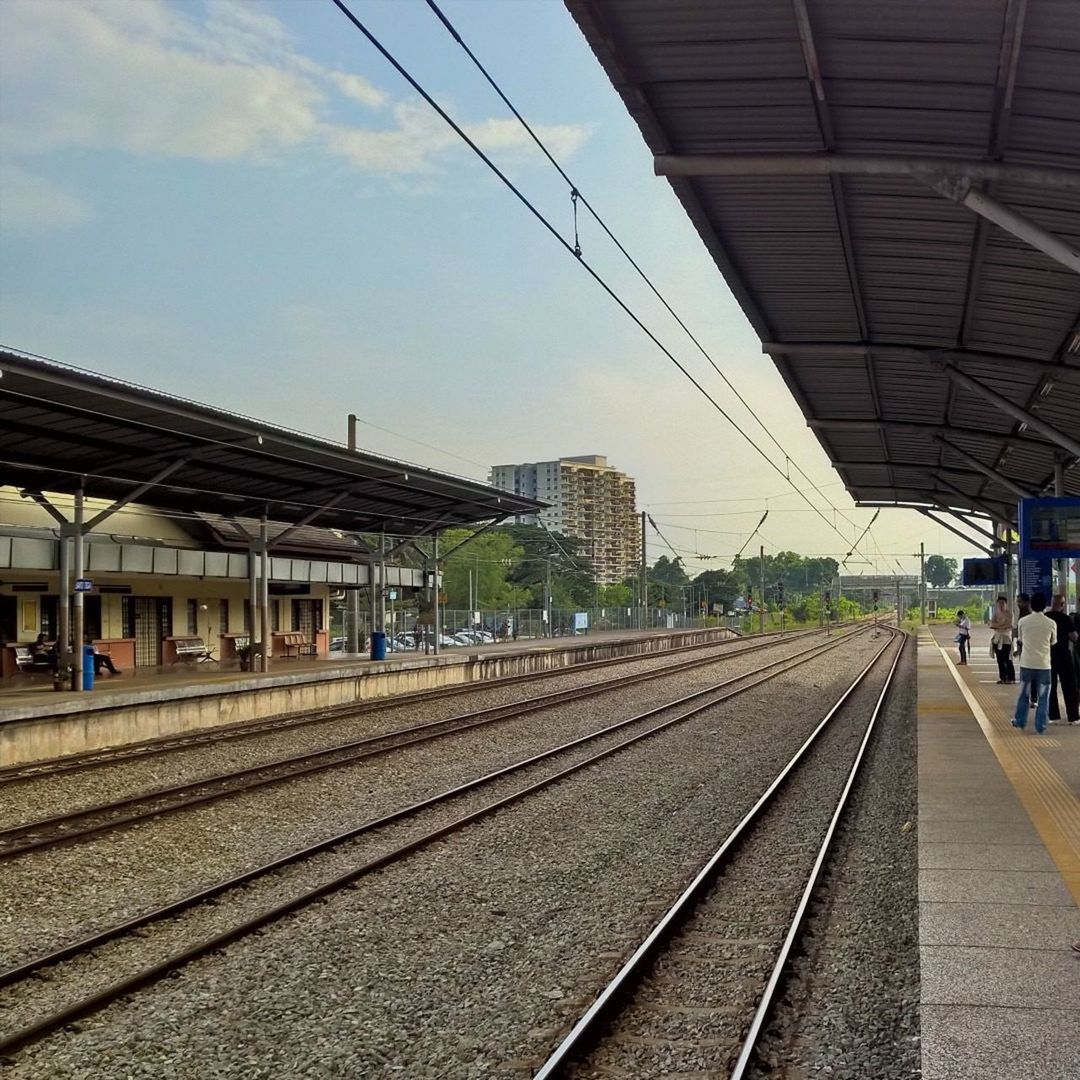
pixel 62 428
pixel 892 193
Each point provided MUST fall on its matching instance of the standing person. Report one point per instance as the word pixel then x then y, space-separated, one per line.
pixel 1023 607
pixel 963 624
pixel 1061 665
pixel 1001 626
pixel 1035 634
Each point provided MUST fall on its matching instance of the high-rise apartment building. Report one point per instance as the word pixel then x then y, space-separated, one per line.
pixel 589 500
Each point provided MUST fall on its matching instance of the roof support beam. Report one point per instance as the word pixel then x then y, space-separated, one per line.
pixel 968 523
pixel 959 189
pixel 912 427
pixel 955 531
pixel 1011 409
pixel 45 505
pixel 978 466
pixel 307 519
pixel 824 350
pixel 136 494
pixel 993 508
pixel 831 164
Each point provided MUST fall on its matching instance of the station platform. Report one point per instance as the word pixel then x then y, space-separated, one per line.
pixel 999 876
pixel 38 723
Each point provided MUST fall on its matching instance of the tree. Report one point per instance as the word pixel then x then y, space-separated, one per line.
pixel 667 579
pixel 489 560
pixel 940 571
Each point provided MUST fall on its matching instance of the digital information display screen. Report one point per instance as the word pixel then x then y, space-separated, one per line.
pixel 1050 528
pixel 984 571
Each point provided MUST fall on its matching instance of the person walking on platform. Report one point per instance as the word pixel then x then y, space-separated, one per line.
pixel 1001 627
pixel 1061 665
pixel 1023 607
pixel 1035 634
pixel 963 634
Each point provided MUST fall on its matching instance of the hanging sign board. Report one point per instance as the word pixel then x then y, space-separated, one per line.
pixel 1050 528
pixel 83 584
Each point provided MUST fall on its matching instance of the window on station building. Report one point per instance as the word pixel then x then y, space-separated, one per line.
pixel 275 616
pixel 223 616
pixel 193 618
pixel 49 616
pixel 247 616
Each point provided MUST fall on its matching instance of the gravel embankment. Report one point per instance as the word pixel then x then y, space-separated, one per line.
pixel 90 884
pixel 851 1002
pixel 468 954
pixel 29 800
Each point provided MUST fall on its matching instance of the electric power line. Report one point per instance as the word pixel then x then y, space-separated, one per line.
pixel 577 196
pixel 389 57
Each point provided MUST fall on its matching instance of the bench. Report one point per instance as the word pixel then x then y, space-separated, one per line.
pixel 292 641
pixel 27 660
pixel 193 648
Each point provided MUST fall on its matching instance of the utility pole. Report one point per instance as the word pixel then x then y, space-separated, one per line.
pixel 761 566
pixel 644 576
pixel 1062 564
pixel 547 605
pixel 922 584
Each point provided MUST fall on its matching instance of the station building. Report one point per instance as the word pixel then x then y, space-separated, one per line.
pixel 139 521
pixel 156 579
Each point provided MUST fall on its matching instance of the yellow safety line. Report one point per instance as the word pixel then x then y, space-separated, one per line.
pixel 1050 803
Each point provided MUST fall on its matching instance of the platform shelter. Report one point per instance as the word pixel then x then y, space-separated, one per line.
pixel 155 527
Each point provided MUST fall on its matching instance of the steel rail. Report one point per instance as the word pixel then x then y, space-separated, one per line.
pixel 91 759
pixel 65 829
pixel 154 972
pixel 769 995
pixel 586 1027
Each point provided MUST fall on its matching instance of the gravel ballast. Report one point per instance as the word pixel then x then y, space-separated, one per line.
pixel 850 1006
pixel 468 954
pixel 31 799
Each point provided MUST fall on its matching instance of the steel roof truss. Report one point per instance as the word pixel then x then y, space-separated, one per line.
pixel 961 190
pixel 993 474
pixel 955 531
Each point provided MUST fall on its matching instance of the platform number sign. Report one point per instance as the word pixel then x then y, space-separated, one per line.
pixel 83 584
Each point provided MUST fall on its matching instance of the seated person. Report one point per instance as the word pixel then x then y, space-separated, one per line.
pixel 102 660
pixel 43 653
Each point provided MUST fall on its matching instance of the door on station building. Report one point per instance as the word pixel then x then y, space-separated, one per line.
pixel 9 622
pixel 307 618
pixel 147 619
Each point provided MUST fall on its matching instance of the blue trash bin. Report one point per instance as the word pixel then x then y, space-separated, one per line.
pixel 378 645
pixel 88 667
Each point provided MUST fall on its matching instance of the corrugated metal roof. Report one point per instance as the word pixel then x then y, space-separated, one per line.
pixel 880 270
pixel 62 428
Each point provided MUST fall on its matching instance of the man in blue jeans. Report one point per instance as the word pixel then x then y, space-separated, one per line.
pixel 1035 634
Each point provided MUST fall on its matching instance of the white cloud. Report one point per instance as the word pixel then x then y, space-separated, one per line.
pixel 148 78
pixel 31 203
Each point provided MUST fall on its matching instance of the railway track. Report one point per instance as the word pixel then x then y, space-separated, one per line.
pixel 165 744
pixel 693 997
pixel 88 821
pixel 46 971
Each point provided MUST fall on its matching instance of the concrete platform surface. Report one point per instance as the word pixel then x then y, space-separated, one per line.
pixel 999 876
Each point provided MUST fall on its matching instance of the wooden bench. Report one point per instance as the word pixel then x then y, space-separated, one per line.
pixel 193 648
pixel 291 641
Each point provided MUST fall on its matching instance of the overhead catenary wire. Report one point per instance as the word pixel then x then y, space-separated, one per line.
pixel 392 60
pixel 577 196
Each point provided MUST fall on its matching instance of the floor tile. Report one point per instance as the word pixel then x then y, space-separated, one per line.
pixel 963 1043
pixel 1009 926
pixel 994 886
pixel 1031 978
pixel 958 855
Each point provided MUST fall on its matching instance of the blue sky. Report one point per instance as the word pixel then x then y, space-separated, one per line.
pixel 243 203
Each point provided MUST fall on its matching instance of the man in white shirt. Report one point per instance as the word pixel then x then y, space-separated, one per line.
pixel 1036 634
